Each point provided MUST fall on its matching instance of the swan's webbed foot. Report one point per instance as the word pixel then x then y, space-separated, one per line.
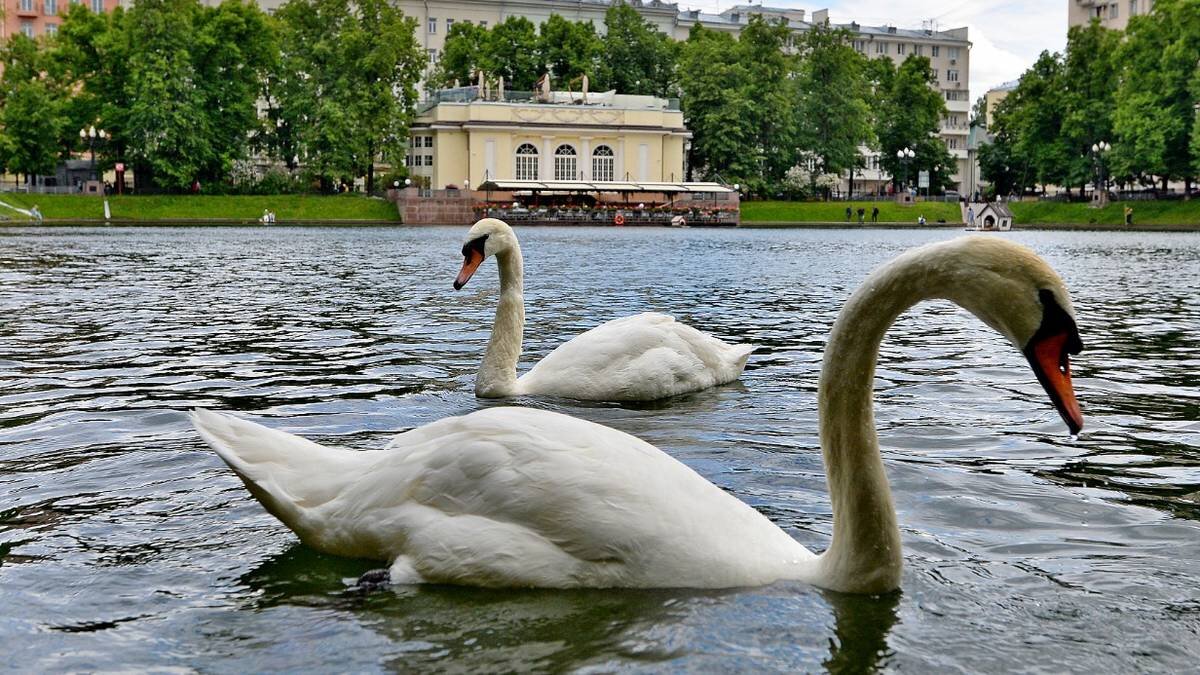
pixel 375 579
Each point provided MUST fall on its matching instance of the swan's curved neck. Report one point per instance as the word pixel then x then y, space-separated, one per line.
pixel 864 555
pixel 498 373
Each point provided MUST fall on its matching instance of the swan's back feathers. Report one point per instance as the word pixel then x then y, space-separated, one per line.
pixel 510 497
pixel 641 357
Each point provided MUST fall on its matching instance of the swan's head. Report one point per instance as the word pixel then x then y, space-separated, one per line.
pixel 486 238
pixel 1017 293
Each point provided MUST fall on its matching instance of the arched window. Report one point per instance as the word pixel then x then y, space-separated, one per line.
pixel 527 162
pixel 565 165
pixel 603 163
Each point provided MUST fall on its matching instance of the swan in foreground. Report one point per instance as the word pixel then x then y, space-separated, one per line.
pixel 636 358
pixel 523 497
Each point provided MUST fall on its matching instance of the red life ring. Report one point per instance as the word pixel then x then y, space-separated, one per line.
pixel 618 219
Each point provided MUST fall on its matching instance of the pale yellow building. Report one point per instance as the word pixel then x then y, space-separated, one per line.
pixel 992 98
pixel 1114 14
pixel 461 139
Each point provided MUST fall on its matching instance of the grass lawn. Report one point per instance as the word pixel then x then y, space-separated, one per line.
pixel 835 212
pixel 312 208
pixel 1144 213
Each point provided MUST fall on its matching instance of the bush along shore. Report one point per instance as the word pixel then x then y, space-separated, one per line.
pixel 204 209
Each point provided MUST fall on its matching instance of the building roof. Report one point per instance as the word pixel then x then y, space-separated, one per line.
pixel 600 186
pixel 1001 210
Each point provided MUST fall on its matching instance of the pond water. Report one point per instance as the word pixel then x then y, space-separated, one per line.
pixel 125 543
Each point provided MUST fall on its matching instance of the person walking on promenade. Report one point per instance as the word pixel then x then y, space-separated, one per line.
pixel 861 215
pixel 971 216
pixel 848 212
pixel 875 214
pixel 1128 215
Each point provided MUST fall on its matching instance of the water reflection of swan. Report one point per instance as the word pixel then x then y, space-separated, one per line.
pixel 521 497
pixel 635 358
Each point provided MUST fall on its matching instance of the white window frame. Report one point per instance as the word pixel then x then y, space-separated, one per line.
pixel 51 29
pixel 566 162
pixel 952 75
pixel 526 162
pixel 604 163
pixel 431 25
pixel 935 50
pixel 26 5
pixel 50 7
pixel 97 6
pixel 27 28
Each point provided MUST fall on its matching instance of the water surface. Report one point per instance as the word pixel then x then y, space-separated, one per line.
pixel 126 544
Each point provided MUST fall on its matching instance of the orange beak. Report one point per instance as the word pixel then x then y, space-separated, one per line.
pixel 1049 357
pixel 472 259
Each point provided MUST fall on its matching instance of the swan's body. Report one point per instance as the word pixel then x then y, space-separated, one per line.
pixel 521 497
pixel 636 358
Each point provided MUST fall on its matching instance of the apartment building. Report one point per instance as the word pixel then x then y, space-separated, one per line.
pixel 35 18
pixel 948 50
pixel 1114 14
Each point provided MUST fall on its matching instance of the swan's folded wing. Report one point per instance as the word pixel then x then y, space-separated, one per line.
pixel 520 497
pixel 640 357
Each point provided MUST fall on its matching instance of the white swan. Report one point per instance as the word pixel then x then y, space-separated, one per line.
pixel 636 358
pixel 523 497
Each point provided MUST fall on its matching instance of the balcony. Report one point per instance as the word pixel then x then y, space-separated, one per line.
pixel 29 10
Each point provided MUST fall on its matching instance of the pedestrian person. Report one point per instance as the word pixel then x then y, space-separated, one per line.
pixel 848 214
pixel 36 214
pixel 861 214
pixel 971 216
pixel 875 214
pixel 921 219
pixel 1128 215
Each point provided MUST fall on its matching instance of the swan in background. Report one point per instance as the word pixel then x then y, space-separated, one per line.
pixel 636 358
pixel 524 497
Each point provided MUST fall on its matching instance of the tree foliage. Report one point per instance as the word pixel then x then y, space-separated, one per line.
pixel 345 88
pixel 31 115
pixel 909 111
pixel 637 58
pixel 832 109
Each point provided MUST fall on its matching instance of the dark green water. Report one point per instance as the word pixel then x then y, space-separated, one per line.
pixel 125 544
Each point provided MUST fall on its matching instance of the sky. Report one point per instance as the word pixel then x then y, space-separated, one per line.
pixel 1006 36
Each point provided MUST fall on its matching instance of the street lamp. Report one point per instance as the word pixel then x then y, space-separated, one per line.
pixel 1098 150
pixel 90 134
pixel 905 156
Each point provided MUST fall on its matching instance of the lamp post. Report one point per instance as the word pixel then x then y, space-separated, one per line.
pixel 90 135
pixel 905 156
pixel 1098 151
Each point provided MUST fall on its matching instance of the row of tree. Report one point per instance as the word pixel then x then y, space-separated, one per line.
pixel 177 86
pixel 1137 91
pixel 767 111
pixel 188 92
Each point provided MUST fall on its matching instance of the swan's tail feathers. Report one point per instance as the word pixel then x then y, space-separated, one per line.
pixel 741 353
pixel 289 475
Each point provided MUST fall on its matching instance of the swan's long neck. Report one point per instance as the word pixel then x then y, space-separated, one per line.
pixel 498 373
pixel 864 555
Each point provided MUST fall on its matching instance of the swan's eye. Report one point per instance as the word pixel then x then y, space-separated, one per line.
pixel 475 244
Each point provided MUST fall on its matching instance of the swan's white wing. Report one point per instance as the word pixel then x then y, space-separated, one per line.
pixel 636 358
pixel 520 497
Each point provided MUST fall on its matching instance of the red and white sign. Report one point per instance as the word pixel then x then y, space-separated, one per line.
pixel 120 166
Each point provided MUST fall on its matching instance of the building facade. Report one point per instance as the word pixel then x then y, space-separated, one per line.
pixel 1114 14
pixel 462 138
pixel 947 50
pixel 35 18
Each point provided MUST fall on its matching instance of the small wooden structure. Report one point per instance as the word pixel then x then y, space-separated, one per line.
pixel 993 217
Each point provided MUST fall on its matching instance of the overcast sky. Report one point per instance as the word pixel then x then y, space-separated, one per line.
pixel 1006 36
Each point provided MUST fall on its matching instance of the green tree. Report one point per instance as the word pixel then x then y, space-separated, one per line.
pixel 1155 110
pixel 464 53
pixel 1030 121
pixel 570 49
pixel 345 89
pixel 908 115
pixel 717 106
pixel 833 107
pixel 637 58
pixel 30 110
pixel 512 51
pixel 1087 97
